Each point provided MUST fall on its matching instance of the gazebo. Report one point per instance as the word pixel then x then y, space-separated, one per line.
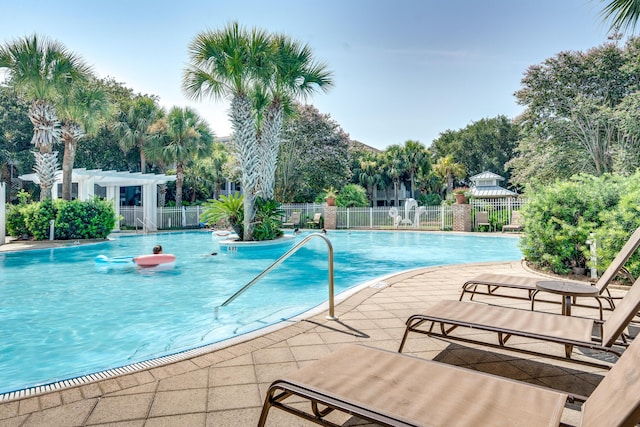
pixel 485 186
pixel 88 179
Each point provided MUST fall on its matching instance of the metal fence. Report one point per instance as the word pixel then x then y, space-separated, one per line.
pixel 383 217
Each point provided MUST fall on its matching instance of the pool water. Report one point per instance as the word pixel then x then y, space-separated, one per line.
pixel 63 315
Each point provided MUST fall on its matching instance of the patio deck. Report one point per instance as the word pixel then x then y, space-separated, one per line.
pixel 226 387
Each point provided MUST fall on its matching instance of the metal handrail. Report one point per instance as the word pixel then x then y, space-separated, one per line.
pixel 279 261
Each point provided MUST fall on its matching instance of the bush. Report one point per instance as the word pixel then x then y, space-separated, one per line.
pixel 268 220
pixel 558 219
pixel 429 200
pixel 352 196
pixel 93 219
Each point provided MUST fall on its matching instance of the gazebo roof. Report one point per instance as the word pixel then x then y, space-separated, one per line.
pixel 108 178
pixel 491 191
pixel 486 175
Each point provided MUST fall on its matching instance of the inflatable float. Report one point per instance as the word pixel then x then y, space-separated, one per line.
pixel 154 260
pixel 118 260
pixel 104 263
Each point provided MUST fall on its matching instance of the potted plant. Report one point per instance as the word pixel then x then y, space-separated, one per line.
pixel 461 195
pixel 330 196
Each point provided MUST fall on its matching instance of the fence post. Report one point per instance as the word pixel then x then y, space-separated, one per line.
pixel 370 217
pixel 348 217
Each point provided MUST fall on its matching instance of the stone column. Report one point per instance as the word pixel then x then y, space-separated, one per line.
pixel 461 217
pixel 330 217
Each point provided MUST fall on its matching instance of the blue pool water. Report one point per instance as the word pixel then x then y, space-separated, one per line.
pixel 63 316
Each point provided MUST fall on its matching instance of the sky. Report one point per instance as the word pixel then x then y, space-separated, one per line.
pixel 403 69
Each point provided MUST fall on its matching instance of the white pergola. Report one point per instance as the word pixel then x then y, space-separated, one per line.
pixel 112 181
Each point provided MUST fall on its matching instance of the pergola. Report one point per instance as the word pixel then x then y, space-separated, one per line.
pixel 87 179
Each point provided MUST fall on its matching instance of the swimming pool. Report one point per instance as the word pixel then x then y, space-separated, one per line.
pixel 61 316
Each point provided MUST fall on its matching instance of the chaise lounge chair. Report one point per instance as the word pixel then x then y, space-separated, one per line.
pixel 516 223
pixel 493 282
pixel 315 222
pixel 397 390
pixel 507 322
pixel 294 220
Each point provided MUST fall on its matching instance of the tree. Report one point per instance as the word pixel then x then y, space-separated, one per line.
pixel 42 70
pixel 82 111
pixel 484 145
pixel 314 154
pixel 133 126
pixel 226 64
pixel 567 125
pixel 447 169
pixel 183 135
pixel 368 173
pixel 294 74
pixel 623 14
pixel 415 158
pixel 394 167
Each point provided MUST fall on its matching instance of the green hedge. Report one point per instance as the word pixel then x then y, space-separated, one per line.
pixel 560 217
pixel 93 219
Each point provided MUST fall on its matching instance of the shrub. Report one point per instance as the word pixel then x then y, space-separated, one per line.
pixel 352 196
pixel 226 211
pixel 93 219
pixel 268 220
pixel 558 219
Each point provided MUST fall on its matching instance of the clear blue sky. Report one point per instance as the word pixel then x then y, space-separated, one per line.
pixel 403 69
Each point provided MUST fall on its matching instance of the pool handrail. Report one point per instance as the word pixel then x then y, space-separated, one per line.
pixel 279 261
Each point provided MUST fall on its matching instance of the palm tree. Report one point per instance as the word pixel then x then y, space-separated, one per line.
pixel 415 158
pixel 294 74
pixel 624 14
pixel 42 70
pixel 227 64
pixel 133 128
pixel 82 111
pixel 370 177
pixel 447 169
pixel 394 167
pixel 183 136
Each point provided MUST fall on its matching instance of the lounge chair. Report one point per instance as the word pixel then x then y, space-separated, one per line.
pixel 507 322
pixel 294 220
pixel 397 390
pixel 482 219
pixel 315 223
pixel 516 223
pixel 493 282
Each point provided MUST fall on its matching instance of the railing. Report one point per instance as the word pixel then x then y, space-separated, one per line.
pixel 280 260
pixel 430 218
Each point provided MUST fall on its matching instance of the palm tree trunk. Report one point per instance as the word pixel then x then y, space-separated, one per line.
pixel 179 181
pixel 244 138
pixel 272 126
pixel 45 133
pixel 143 161
pixel 71 134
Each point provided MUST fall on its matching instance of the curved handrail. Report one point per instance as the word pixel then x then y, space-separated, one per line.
pixel 279 261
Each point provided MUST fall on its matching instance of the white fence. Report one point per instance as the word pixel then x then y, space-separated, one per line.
pixel 430 217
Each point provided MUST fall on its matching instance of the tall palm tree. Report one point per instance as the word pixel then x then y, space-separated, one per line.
pixel 370 177
pixel 623 14
pixel 42 70
pixel 293 75
pixel 394 167
pixel 448 169
pixel 82 111
pixel 415 158
pixel 227 64
pixel 133 127
pixel 185 136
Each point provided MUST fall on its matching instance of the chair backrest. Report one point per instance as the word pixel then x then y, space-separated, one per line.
pixel 516 218
pixel 482 217
pixel 619 261
pixel 624 312
pixel 316 217
pixel 616 400
pixel 295 217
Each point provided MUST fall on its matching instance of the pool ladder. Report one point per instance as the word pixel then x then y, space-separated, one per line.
pixel 280 260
